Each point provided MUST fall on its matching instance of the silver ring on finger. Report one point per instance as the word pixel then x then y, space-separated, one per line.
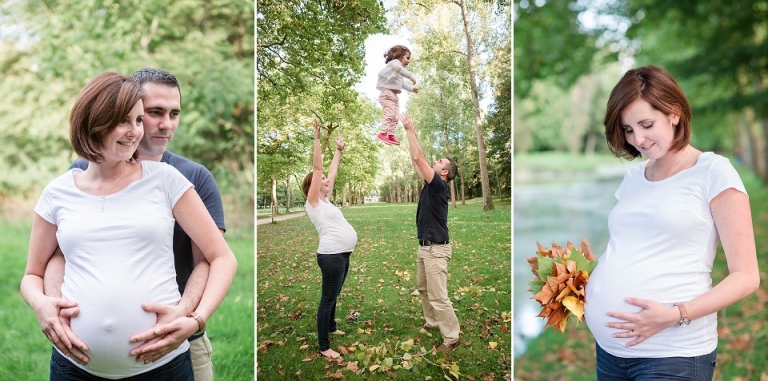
pixel 633 333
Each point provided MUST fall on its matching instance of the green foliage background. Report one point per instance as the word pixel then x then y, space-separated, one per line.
pixel 50 49
pixel 568 57
pixel 307 73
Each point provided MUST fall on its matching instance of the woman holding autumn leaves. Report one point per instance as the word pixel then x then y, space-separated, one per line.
pixel 650 302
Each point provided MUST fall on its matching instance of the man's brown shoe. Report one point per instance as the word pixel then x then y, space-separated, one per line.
pixel 425 327
pixel 448 347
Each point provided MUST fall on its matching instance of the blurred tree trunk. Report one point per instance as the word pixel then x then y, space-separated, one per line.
pixel 287 194
pixel 484 181
pixel 274 197
pixel 448 148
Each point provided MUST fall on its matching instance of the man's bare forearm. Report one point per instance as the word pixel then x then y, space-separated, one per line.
pixel 54 274
pixel 193 292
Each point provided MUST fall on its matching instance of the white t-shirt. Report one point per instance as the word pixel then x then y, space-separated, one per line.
pixel 389 78
pixel 116 260
pixel 336 234
pixel 662 244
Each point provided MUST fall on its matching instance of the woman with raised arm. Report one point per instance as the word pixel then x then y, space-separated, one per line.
pixel 337 240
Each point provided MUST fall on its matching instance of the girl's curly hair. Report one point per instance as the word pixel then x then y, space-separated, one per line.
pixel 396 52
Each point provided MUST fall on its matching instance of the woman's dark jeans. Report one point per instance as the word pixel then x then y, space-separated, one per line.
pixel 612 368
pixel 178 369
pixel 334 268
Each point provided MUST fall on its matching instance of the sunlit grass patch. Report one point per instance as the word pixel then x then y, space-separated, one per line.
pixel 378 307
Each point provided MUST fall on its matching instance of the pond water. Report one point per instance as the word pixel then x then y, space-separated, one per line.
pixel 558 212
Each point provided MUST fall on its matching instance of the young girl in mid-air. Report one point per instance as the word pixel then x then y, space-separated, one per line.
pixel 392 80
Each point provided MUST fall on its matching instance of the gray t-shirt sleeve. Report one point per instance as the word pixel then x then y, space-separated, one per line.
pixel 206 187
pixel 79 163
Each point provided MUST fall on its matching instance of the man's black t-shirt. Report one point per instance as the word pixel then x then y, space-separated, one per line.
pixel 432 210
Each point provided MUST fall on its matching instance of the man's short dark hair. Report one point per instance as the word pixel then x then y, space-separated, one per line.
pixel 156 76
pixel 452 169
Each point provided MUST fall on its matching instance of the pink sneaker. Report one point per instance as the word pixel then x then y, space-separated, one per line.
pixel 383 137
pixel 392 140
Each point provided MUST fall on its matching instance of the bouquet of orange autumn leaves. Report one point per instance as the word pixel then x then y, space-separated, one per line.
pixel 559 279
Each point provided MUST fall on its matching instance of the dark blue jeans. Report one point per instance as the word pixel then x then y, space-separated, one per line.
pixel 612 368
pixel 178 369
pixel 334 268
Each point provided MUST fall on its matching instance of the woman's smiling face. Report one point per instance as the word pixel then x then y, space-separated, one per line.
pixel 124 139
pixel 649 130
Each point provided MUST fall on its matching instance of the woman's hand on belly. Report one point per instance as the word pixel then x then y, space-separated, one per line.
pixel 173 327
pixel 53 315
pixel 652 319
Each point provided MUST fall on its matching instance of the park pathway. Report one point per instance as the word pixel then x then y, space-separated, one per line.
pixel 266 220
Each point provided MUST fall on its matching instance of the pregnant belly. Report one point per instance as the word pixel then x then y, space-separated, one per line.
pixel 106 326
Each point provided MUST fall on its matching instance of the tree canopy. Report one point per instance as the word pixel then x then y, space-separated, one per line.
pixel 311 54
pixel 51 49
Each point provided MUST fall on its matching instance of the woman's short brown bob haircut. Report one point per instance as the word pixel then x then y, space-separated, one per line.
pixel 100 107
pixel 306 183
pixel 657 87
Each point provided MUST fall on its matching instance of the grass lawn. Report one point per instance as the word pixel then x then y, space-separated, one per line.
pixel 377 306
pixel 267 212
pixel 27 353
pixel 742 332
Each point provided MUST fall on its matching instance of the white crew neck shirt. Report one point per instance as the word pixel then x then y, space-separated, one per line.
pixel 116 260
pixel 662 245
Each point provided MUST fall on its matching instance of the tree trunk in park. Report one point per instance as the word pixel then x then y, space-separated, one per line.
pixel 743 149
pixel 448 148
pixel 757 83
pixel 460 162
pixel 288 193
pixel 274 198
pixel 498 182
pixel 398 190
pixel 590 145
pixel 484 182
pixel 753 135
pixel 764 150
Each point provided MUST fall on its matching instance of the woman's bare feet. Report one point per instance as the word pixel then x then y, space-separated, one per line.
pixel 338 332
pixel 330 354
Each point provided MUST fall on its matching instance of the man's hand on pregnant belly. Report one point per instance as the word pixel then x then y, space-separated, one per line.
pixel 652 319
pixel 173 327
pixel 77 349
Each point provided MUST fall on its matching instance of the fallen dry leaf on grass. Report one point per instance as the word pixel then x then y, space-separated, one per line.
pixel 352 366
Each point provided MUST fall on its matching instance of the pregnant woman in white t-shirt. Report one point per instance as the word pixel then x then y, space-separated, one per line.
pixel 650 302
pixel 337 240
pixel 114 223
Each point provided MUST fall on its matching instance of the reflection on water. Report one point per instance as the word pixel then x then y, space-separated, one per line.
pixel 554 212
